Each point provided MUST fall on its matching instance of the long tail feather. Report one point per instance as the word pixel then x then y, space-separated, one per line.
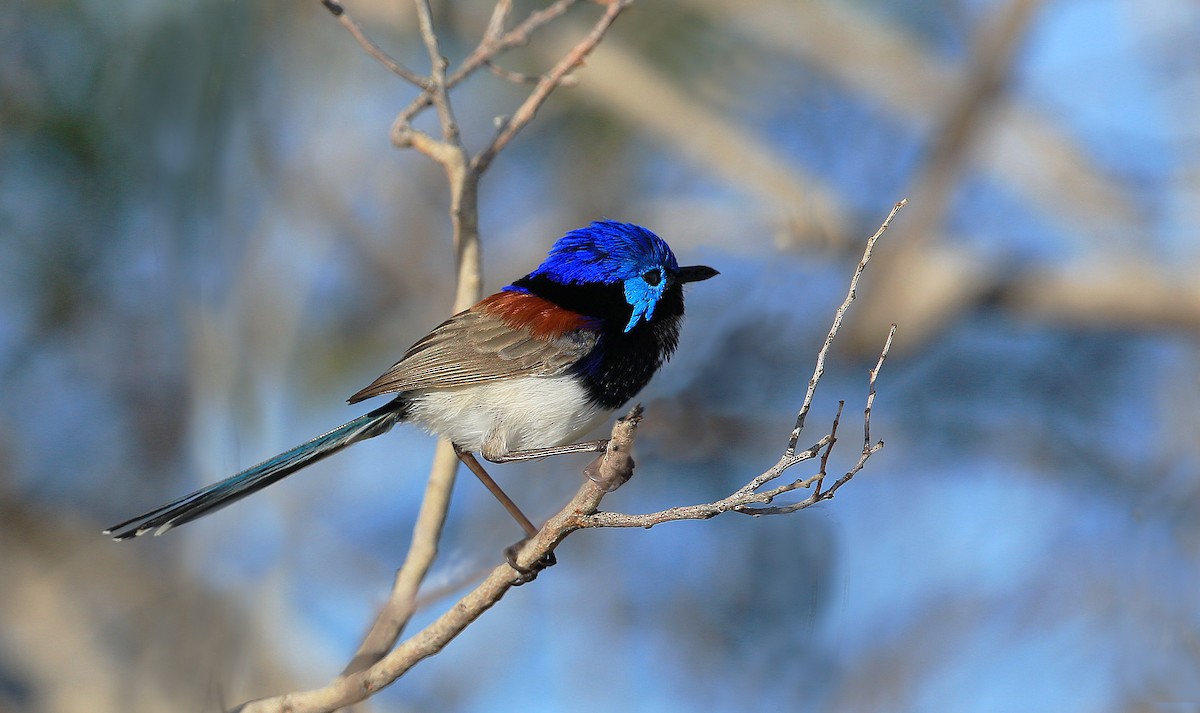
pixel 255 478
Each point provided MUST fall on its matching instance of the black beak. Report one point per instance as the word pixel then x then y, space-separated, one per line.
pixel 695 273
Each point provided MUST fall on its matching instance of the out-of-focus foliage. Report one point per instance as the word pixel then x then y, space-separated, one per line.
pixel 206 243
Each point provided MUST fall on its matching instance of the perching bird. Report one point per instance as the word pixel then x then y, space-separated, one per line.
pixel 518 376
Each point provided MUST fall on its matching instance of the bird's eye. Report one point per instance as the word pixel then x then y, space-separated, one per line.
pixel 653 277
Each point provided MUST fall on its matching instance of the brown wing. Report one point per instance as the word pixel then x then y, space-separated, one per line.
pixel 473 347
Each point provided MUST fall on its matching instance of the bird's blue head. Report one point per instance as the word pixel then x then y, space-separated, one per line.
pixel 607 252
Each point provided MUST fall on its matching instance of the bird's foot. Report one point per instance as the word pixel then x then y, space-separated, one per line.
pixel 527 573
pixel 610 473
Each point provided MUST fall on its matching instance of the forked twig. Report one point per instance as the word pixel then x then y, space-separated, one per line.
pixel 750 499
pixel 837 323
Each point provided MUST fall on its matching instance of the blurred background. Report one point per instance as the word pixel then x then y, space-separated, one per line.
pixel 207 243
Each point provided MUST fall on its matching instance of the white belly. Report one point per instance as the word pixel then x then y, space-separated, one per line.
pixel 504 416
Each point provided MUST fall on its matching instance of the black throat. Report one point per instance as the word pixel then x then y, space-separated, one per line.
pixel 621 363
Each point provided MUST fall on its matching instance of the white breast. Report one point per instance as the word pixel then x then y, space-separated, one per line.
pixel 511 415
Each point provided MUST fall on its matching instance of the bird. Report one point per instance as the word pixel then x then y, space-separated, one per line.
pixel 520 375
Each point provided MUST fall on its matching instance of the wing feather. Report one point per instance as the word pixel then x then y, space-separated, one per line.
pixel 474 347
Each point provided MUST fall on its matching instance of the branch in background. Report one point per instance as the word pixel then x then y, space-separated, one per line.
pixel 547 84
pixel 491 46
pixel 1025 149
pixel 439 94
pixel 373 49
pixel 624 85
pixel 927 291
pixel 519 78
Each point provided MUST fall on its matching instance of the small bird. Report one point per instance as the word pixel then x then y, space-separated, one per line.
pixel 518 376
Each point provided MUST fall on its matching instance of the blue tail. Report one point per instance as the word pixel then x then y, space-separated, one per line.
pixel 253 479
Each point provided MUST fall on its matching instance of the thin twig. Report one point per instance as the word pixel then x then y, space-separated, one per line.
pixel 509 75
pixel 837 323
pixel 874 374
pixel 518 36
pixel 785 461
pixel 749 499
pixel 869 449
pixel 549 81
pixel 520 78
pixel 488 49
pixel 495 26
pixel 492 45
pixel 439 93
pixel 373 49
pixel 837 419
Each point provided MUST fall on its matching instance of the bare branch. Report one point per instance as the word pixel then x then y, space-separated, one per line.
pixel 869 449
pixel 519 78
pixel 373 49
pixel 517 37
pixel 874 374
pixel 493 45
pixel 439 92
pixel 837 323
pixel 495 26
pixel 749 499
pixel 488 48
pixel 360 684
pixel 547 84
pixel 837 419
pixel 439 151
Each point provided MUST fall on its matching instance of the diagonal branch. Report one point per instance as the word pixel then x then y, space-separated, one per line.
pixel 489 48
pixel 547 84
pixel 338 11
pixel 360 684
pixel 496 41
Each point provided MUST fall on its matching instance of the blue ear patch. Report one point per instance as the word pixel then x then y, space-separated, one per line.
pixel 643 297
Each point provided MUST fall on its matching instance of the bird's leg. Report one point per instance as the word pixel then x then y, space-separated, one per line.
pixel 608 482
pixel 510 553
pixel 534 453
pixel 469 460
